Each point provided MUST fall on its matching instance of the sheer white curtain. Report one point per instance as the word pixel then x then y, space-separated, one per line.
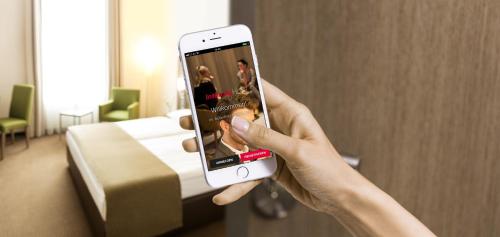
pixel 73 57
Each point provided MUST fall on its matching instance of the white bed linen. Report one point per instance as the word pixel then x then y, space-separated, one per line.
pixel 164 139
pixel 151 127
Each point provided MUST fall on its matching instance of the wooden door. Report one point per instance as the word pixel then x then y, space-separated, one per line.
pixel 412 87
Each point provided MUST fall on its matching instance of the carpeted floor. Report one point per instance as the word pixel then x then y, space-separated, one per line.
pixel 37 197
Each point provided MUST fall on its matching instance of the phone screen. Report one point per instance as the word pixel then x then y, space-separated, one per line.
pixel 224 84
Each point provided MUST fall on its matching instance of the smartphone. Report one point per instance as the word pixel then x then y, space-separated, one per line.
pixel 223 80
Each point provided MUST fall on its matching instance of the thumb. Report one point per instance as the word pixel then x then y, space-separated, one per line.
pixel 262 137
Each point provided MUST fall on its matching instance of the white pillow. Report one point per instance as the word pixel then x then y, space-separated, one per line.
pixel 176 114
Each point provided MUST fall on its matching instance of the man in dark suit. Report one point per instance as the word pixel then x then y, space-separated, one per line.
pixel 237 105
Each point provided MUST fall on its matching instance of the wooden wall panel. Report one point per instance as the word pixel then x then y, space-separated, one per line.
pixel 413 87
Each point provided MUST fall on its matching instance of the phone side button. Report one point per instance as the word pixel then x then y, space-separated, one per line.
pixel 242 172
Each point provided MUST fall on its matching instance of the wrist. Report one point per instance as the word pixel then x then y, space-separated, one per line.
pixel 351 192
pixel 364 208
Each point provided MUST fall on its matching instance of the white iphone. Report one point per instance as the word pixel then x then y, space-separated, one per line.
pixel 222 79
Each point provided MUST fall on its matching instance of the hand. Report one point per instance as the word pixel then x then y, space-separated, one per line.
pixel 311 169
pixel 305 154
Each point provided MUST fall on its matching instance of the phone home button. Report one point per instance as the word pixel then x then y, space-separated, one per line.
pixel 242 172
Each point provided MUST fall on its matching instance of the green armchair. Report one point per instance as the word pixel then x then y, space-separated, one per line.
pixel 124 105
pixel 19 115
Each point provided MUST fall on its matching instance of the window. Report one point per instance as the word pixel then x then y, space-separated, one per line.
pixel 73 56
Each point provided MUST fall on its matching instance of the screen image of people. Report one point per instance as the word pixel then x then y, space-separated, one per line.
pixel 224 84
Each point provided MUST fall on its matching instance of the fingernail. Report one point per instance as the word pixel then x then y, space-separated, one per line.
pixel 239 124
pixel 216 200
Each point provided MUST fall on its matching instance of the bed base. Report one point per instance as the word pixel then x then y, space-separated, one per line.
pixel 196 211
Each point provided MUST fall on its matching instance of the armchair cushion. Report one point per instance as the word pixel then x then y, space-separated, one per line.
pixel 116 115
pixel 8 124
pixel 124 105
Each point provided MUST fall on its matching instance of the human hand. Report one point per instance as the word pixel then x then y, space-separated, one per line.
pixel 306 160
pixel 312 171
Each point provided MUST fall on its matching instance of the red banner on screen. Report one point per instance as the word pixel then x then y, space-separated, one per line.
pixel 254 155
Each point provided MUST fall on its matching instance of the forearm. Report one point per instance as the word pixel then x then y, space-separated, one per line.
pixel 365 210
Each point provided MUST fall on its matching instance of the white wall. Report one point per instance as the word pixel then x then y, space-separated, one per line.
pixel 162 22
pixel 12 49
pixel 195 15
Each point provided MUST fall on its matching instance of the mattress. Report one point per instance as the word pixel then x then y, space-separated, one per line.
pixel 161 136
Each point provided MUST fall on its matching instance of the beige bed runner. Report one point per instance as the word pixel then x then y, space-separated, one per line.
pixel 143 196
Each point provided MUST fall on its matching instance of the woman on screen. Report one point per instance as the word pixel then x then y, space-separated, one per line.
pixel 204 88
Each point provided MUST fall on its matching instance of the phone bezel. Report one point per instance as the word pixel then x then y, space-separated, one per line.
pixel 202 40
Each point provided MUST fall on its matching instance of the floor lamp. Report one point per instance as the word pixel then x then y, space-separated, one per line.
pixel 148 56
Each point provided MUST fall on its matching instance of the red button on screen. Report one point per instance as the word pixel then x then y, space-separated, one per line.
pixel 254 155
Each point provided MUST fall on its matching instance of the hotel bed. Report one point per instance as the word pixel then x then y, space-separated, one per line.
pixel 162 136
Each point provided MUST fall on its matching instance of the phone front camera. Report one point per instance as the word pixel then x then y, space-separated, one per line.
pixel 203 40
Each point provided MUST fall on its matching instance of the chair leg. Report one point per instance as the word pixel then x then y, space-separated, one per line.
pixel 13 136
pixel 2 146
pixel 27 137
